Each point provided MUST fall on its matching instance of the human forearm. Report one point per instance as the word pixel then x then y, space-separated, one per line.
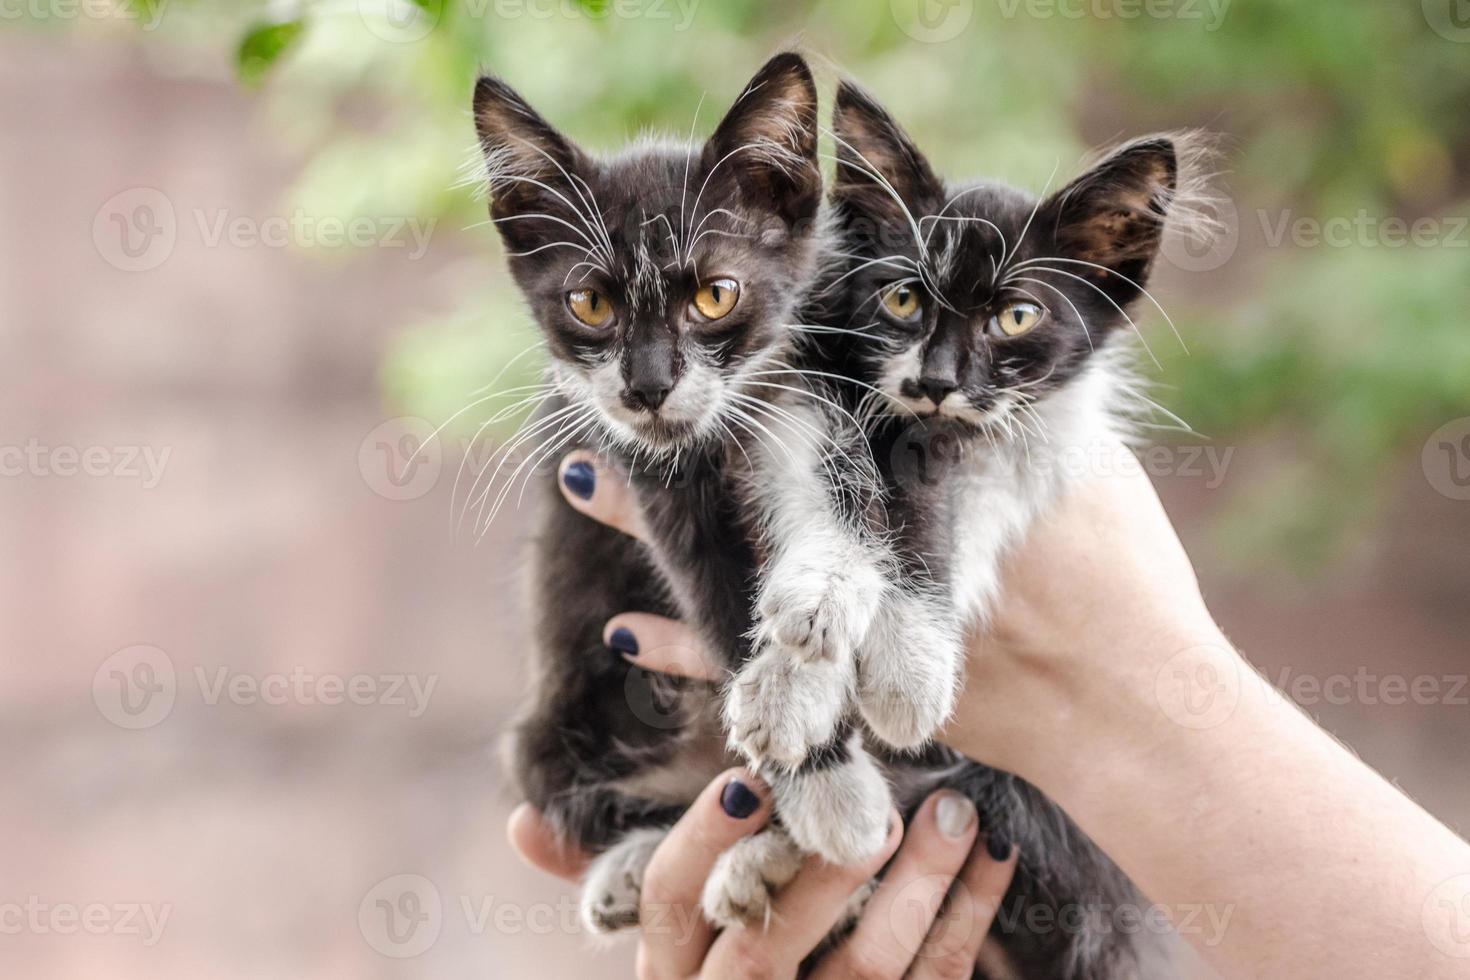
pixel 1276 852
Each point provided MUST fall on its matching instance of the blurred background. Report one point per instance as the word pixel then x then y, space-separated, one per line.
pixel 255 669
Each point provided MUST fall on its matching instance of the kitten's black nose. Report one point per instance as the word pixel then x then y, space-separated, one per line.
pixel 651 394
pixel 937 388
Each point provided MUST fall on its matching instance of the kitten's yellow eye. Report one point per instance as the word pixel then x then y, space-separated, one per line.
pixel 716 298
pixel 902 301
pixel 589 306
pixel 1017 318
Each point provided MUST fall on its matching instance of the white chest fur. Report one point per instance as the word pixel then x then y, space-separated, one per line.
pixel 1012 478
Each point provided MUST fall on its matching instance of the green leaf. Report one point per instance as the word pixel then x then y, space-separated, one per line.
pixel 262 45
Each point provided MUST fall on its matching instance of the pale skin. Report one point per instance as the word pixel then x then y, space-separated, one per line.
pixel 1104 680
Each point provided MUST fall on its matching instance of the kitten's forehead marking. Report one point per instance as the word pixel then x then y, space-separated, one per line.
pixel 646 288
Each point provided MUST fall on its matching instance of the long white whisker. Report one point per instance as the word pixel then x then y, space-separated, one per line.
pixel 588 204
pixel 1065 298
pixel 1039 199
pixel 1120 275
pixel 1104 295
pixel 505 452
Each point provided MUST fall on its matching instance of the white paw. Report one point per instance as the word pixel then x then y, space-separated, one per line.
pixel 614 881
pixel 840 812
pixel 819 609
pixel 909 670
pixel 743 881
pixel 778 708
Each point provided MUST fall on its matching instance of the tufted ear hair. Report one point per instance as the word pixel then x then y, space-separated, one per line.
pixel 767 143
pixel 1112 217
pixel 529 166
pixel 880 172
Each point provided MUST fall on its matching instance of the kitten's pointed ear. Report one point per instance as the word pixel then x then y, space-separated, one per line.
pixel 1112 217
pixel 876 160
pixel 527 163
pixel 767 142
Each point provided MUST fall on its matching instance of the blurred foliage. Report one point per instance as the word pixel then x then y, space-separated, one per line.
pixel 1350 355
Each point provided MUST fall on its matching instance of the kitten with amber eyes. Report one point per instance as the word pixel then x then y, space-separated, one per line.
pixel 986 335
pixel 667 280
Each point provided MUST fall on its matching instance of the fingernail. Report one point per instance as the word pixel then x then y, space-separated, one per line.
pixel 955 814
pixel 623 641
pixel 580 478
pixel 738 801
pixel 997 847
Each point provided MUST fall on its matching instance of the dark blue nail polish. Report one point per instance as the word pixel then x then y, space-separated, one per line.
pixel 623 641
pixel 997 847
pixel 581 479
pixel 738 801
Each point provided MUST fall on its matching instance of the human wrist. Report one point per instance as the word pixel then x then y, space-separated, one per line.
pixel 1060 718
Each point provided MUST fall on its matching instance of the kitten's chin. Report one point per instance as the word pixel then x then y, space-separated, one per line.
pixel 666 434
pixel 655 433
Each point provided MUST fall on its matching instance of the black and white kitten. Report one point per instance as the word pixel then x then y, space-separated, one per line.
pixel 986 333
pixel 666 280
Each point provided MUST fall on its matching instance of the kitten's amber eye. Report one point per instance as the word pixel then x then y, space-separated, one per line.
pixel 1017 318
pixel 902 301
pixel 716 298
pixel 589 306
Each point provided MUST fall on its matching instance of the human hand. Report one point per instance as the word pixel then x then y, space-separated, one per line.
pixel 906 929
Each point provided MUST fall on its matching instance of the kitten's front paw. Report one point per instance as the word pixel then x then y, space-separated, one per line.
pixel 614 882
pixel 908 671
pixel 839 812
pixel 777 709
pixel 743 881
pixel 820 611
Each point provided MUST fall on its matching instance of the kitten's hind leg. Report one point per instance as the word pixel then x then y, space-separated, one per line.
pixel 614 881
pixel 739 889
pixel 835 805
pixel 909 669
